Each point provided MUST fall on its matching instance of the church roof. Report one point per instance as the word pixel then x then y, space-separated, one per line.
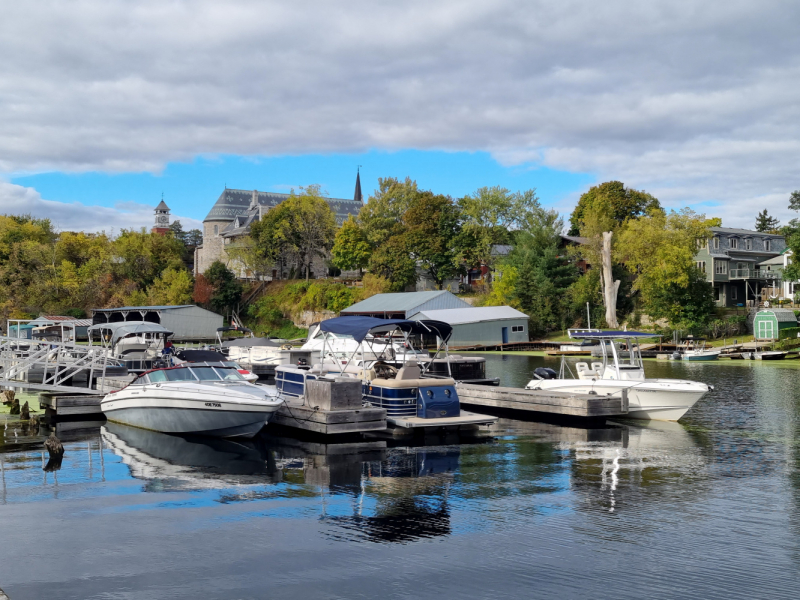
pixel 162 206
pixel 233 203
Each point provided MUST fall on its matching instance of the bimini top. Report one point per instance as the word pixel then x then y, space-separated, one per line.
pixel 612 335
pixel 250 341
pixel 126 328
pixel 359 327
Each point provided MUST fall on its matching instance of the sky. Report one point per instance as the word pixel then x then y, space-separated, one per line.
pixel 107 105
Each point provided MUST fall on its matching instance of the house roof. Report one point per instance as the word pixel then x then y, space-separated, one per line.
pixel 162 206
pixel 142 308
pixel 472 314
pixel 750 232
pixel 232 203
pixel 775 260
pixel 575 239
pixel 405 302
pixel 783 315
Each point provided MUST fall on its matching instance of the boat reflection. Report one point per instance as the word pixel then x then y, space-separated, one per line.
pixel 172 463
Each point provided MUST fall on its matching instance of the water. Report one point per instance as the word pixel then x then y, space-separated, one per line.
pixel 703 509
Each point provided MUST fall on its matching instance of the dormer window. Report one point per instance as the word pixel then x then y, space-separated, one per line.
pixel 734 243
pixel 768 245
pixel 748 244
pixel 716 242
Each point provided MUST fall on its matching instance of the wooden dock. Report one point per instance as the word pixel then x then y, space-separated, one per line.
pixel 543 401
pixel 295 414
pixel 68 405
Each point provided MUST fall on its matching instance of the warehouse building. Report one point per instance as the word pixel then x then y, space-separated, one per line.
pixel 481 325
pixel 187 322
pixel 404 305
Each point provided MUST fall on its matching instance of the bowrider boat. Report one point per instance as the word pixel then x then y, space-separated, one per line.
pixel 623 369
pixel 202 398
pixel 412 396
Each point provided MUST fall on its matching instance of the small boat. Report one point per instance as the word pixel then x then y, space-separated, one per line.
pixel 138 345
pixel 694 349
pixel 765 355
pixel 193 398
pixel 623 369
pixel 412 395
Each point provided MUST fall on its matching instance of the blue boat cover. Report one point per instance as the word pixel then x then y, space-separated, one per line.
pixel 593 335
pixel 359 327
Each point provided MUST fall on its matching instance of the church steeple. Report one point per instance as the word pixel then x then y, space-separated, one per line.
pixel 357 197
pixel 162 217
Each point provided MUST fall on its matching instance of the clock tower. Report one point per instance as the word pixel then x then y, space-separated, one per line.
pixel 162 218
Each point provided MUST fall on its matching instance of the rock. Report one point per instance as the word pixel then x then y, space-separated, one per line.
pixel 25 412
pixel 14 406
pixel 8 398
pixel 54 446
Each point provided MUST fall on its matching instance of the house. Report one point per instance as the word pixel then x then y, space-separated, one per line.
pixel 741 265
pixel 236 210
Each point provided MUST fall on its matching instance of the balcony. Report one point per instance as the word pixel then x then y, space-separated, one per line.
pixel 759 274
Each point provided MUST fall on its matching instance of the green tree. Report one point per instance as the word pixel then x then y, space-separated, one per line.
pixel 141 256
pixel 432 227
pixel 227 290
pixel 766 223
pixel 173 288
pixel 392 261
pixel 381 217
pixel 351 250
pixel 177 230
pixel 614 202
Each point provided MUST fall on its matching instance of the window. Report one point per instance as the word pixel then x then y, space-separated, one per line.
pixel 748 244
pixel 734 243
pixel 157 376
pixel 716 242
pixel 733 293
pixel 216 229
pixel 517 328
pixel 205 373
pixel 179 375
pixel 701 265
pixel 720 267
pixel 768 245
pixel 716 293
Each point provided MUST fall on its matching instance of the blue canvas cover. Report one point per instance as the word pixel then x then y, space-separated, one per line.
pixel 359 327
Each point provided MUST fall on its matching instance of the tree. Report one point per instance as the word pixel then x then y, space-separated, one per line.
pixel 141 256
pixel 227 290
pixel 351 250
pixel 616 203
pixel 659 250
pixel 766 223
pixel 177 230
pixel 381 216
pixel 193 238
pixel 794 200
pixel 172 288
pixel 432 227
pixel 393 262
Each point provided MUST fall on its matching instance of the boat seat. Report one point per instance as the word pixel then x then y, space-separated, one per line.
pixel 412 383
pixel 409 370
pixel 367 374
pixel 597 366
pixel 584 372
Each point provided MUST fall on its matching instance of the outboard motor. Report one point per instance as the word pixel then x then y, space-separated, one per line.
pixel 676 356
pixel 545 373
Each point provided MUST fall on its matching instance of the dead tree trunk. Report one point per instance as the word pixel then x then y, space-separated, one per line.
pixel 610 287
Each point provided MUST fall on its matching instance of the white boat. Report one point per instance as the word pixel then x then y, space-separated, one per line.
pixel 657 399
pixel 138 345
pixel 695 349
pixel 412 397
pixel 201 398
pixel 258 355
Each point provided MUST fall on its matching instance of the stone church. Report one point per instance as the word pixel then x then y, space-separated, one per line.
pixel 236 210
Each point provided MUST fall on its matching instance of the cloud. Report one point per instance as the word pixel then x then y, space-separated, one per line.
pixel 16 199
pixel 693 100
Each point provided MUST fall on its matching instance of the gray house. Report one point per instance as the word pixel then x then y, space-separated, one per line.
pixel 740 264
pixel 483 325
pixel 187 322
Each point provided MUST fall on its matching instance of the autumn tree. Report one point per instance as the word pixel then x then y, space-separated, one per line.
pixel 615 202
pixel 351 250
pixel 227 289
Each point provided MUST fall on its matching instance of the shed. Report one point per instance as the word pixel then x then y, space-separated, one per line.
pixel 404 305
pixel 769 322
pixel 481 325
pixel 187 322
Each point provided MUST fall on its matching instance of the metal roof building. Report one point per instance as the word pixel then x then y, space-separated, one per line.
pixel 481 325
pixel 404 305
pixel 187 322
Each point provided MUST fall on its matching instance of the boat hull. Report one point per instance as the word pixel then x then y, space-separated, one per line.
pixel 653 399
pixel 211 415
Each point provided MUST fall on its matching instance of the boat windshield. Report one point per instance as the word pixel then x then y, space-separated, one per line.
pixel 175 375
pixel 205 373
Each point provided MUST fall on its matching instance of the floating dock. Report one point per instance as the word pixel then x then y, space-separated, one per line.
pixel 543 401
pixel 295 414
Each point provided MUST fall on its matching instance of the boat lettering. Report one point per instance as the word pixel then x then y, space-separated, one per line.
pixel 214 404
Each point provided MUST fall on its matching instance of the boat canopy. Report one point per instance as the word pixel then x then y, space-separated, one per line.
pixel 359 327
pixel 250 341
pixel 126 328
pixel 201 356
pixel 613 335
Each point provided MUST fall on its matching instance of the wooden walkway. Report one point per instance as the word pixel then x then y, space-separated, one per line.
pixel 295 414
pixel 542 401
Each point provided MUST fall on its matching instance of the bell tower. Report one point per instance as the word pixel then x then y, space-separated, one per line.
pixel 162 218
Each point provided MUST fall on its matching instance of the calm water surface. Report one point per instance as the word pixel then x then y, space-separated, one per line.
pixel 707 508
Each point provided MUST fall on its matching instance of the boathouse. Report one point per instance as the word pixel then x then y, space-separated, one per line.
pixel 768 323
pixel 481 325
pixel 404 305
pixel 187 322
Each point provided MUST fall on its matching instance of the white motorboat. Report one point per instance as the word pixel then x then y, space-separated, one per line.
pixel 138 345
pixel 695 349
pixel 657 399
pixel 258 355
pixel 201 398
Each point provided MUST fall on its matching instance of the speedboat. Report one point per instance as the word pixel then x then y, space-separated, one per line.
pixel 201 398
pixel 258 355
pixel 411 395
pixel 138 345
pixel 623 369
pixel 694 349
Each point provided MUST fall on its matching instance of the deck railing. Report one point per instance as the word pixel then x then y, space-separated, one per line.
pixel 755 274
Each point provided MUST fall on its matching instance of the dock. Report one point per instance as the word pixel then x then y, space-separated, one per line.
pixel 65 404
pixel 295 414
pixel 544 401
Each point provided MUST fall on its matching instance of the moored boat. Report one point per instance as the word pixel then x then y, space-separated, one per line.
pixel 201 398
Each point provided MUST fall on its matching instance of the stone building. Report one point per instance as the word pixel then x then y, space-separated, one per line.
pixel 236 210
